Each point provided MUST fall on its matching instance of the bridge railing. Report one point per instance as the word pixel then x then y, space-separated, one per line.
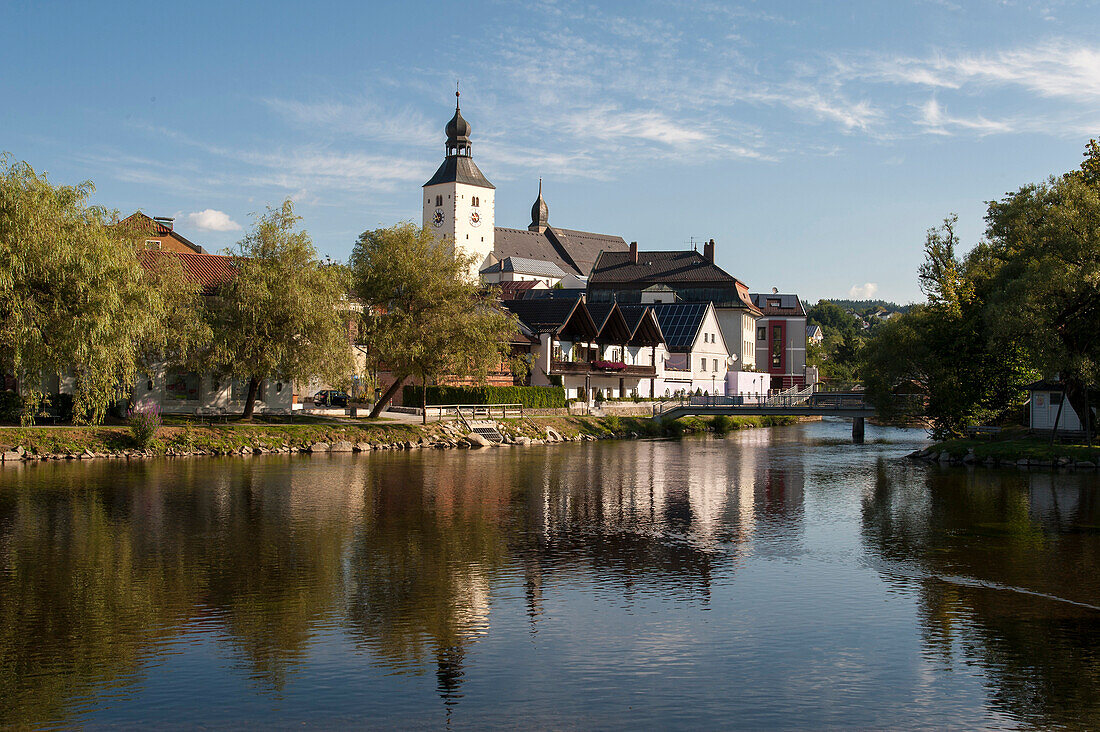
pixel 801 399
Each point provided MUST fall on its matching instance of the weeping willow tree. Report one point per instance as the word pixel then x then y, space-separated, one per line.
pixel 286 314
pixel 426 317
pixel 74 299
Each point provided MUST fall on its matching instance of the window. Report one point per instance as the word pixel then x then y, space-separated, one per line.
pixel 475 201
pixel 152 244
pixel 439 200
pixel 762 333
pixel 715 365
pixel 1055 398
pixel 774 302
pixel 702 364
pixel 182 386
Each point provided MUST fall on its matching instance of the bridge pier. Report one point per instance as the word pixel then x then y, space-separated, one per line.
pixel 857 430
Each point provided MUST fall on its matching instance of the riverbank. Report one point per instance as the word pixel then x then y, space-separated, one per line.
pixel 18 444
pixel 1020 450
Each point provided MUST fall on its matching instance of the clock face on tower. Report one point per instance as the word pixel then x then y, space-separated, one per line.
pixel 438 218
pixel 475 218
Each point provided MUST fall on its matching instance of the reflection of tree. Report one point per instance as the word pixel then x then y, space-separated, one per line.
pixel 92 579
pixel 971 542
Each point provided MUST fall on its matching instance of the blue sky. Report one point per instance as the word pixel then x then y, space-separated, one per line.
pixel 814 141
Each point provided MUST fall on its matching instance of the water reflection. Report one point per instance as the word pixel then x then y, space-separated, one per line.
pixel 1006 568
pixel 617 583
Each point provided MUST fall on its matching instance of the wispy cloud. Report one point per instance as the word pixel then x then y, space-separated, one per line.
pixel 863 292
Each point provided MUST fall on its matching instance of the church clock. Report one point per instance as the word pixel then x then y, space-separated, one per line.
pixel 438 218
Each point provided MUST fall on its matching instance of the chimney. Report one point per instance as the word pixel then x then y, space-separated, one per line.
pixel 708 251
pixel 634 252
pixel 165 221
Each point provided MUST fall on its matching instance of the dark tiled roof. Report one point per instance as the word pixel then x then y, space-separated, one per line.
pixel 680 322
pixel 459 169
pixel 789 305
pixel 209 270
pixel 636 317
pixel 616 267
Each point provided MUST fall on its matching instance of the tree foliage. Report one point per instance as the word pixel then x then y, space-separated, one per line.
pixel 285 315
pixel 74 300
pixel 425 318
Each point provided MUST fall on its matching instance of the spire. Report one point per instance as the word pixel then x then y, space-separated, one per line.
pixel 540 213
pixel 458 132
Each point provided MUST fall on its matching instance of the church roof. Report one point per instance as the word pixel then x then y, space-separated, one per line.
pixel 459 169
pixel 571 250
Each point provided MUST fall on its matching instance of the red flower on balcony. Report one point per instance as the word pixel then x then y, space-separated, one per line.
pixel 609 365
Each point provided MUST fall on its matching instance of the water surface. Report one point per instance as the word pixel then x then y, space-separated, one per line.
pixel 779 578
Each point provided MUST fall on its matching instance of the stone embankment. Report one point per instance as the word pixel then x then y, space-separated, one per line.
pixel 937 454
pixel 19 445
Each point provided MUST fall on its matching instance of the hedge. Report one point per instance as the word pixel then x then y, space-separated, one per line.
pixel 533 397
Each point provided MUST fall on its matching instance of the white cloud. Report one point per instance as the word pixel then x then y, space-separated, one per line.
pixel 936 120
pixel 863 292
pixel 212 220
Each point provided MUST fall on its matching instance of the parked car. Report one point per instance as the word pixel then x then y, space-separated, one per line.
pixel 330 398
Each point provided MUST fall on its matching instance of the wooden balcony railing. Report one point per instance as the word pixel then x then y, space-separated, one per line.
pixel 587 367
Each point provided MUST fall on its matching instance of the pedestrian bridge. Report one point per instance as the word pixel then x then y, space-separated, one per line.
pixel 791 403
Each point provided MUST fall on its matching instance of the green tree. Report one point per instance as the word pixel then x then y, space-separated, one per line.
pixel 73 297
pixel 285 315
pixel 425 318
pixel 1046 240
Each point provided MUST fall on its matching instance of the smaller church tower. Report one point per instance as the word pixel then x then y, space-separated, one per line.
pixel 540 213
pixel 458 199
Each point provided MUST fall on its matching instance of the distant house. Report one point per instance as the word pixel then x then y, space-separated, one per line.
pixel 814 334
pixel 781 338
pixel 666 277
pixel 160 234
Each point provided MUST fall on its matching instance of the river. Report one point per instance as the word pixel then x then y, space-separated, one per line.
pixel 774 578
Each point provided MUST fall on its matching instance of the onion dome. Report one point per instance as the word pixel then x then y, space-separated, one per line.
pixel 540 212
pixel 458 132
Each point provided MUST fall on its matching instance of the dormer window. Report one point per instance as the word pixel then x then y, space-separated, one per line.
pixel 773 302
pixel 152 244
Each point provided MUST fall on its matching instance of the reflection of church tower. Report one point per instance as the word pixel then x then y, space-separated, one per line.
pixel 458 200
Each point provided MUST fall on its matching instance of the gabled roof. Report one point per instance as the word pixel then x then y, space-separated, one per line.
pixel 789 305
pixel 155 228
pixel 610 323
pixel 208 270
pixel 459 169
pixel 680 322
pixel 653 268
pixel 644 328
pixel 516 290
pixel 812 330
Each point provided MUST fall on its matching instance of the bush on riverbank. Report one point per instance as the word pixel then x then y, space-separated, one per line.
pixel 532 397
pixel 1018 447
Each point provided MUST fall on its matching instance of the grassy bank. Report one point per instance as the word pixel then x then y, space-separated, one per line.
pixel 1013 447
pixel 237 437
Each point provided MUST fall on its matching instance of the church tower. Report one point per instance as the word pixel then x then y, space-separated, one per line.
pixel 458 200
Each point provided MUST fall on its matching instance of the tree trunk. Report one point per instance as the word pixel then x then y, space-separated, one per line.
pixel 250 400
pixel 424 400
pixel 387 396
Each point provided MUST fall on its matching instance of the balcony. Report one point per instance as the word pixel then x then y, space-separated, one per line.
pixel 600 368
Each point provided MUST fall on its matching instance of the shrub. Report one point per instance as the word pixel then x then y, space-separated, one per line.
pixel 721 424
pixel 532 397
pixel 614 424
pixel 144 424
